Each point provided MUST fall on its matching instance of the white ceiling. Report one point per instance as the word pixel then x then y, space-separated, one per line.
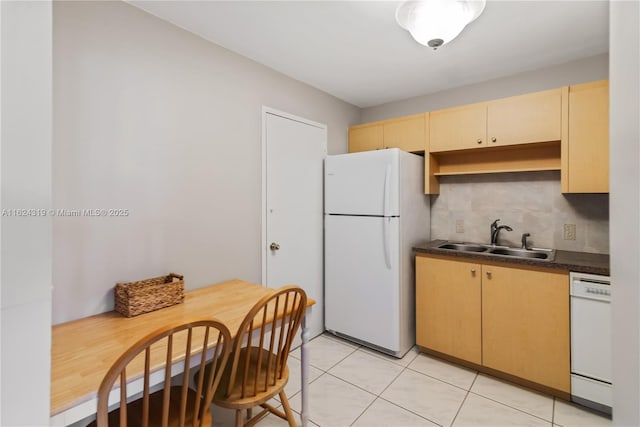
pixel 355 51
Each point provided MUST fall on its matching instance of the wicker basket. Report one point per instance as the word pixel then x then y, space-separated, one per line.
pixel 134 298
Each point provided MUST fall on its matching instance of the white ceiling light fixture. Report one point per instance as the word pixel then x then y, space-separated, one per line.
pixel 435 23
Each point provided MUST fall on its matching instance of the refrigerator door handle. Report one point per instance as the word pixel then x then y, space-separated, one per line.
pixel 385 232
pixel 385 194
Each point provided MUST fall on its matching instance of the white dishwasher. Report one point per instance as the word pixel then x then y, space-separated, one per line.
pixel 591 342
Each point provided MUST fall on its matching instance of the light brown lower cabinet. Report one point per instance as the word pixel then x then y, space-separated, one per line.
pixel 525 324
pixel 448 307
pixel 512 320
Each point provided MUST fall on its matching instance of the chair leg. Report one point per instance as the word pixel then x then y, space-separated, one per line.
pixel 249 413
pixel 287 409
pixel 207 418
pixel 239 420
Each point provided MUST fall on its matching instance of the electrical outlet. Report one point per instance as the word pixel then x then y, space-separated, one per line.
pixel 460 226
pixel 569 232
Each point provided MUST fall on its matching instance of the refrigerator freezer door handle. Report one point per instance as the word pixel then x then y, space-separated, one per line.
pixel 385 231
pixel 387 179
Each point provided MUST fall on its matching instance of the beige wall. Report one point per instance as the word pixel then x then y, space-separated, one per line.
pixel 153 119
pixel 25 263
pixel 584 70
pixel 625 204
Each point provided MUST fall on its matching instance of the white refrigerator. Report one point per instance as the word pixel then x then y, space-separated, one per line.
pixel 375 212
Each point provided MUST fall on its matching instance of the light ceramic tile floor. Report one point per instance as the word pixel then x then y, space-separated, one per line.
pixel 351 385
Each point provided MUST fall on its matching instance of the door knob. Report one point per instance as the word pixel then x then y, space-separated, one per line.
pixel 488 275
pixel 274 246
pixel 493 139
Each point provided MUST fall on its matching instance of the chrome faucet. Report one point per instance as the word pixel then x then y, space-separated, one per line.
pixel 524 241
pixel 495 230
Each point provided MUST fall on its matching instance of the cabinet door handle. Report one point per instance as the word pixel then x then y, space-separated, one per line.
pixel 488 275
pixel 493 139
pixel 473 271
pixel 479 141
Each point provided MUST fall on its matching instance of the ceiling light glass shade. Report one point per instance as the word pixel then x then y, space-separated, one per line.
pixel 436 22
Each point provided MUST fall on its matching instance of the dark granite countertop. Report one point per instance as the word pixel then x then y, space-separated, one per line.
pixel 581 262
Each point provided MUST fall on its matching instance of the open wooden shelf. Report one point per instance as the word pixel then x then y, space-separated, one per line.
pixel 496 171
pixel 518 158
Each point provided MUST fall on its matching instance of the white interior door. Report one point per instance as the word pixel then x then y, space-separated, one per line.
pixel 293 154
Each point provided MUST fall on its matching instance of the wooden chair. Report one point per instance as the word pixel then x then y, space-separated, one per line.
pixel 258 370
pixel 176 405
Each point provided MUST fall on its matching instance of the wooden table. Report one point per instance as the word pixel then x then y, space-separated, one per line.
pixel 83 350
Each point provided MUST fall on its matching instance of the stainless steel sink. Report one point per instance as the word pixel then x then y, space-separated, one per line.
pixel 523 253
pixel 501 251
pixel 466 247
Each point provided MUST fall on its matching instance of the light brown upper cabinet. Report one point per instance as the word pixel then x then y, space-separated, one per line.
pixel 523 119
pixel 565 129
pixel 406 133
pixel 365 137
pixel 458 128
pixel 586 155
pixel 534 117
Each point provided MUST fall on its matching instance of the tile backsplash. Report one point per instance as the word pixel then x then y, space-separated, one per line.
pixel 529 202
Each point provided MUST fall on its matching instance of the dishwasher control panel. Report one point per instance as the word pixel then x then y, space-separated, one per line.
pixel 597 291
pixel 590 286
